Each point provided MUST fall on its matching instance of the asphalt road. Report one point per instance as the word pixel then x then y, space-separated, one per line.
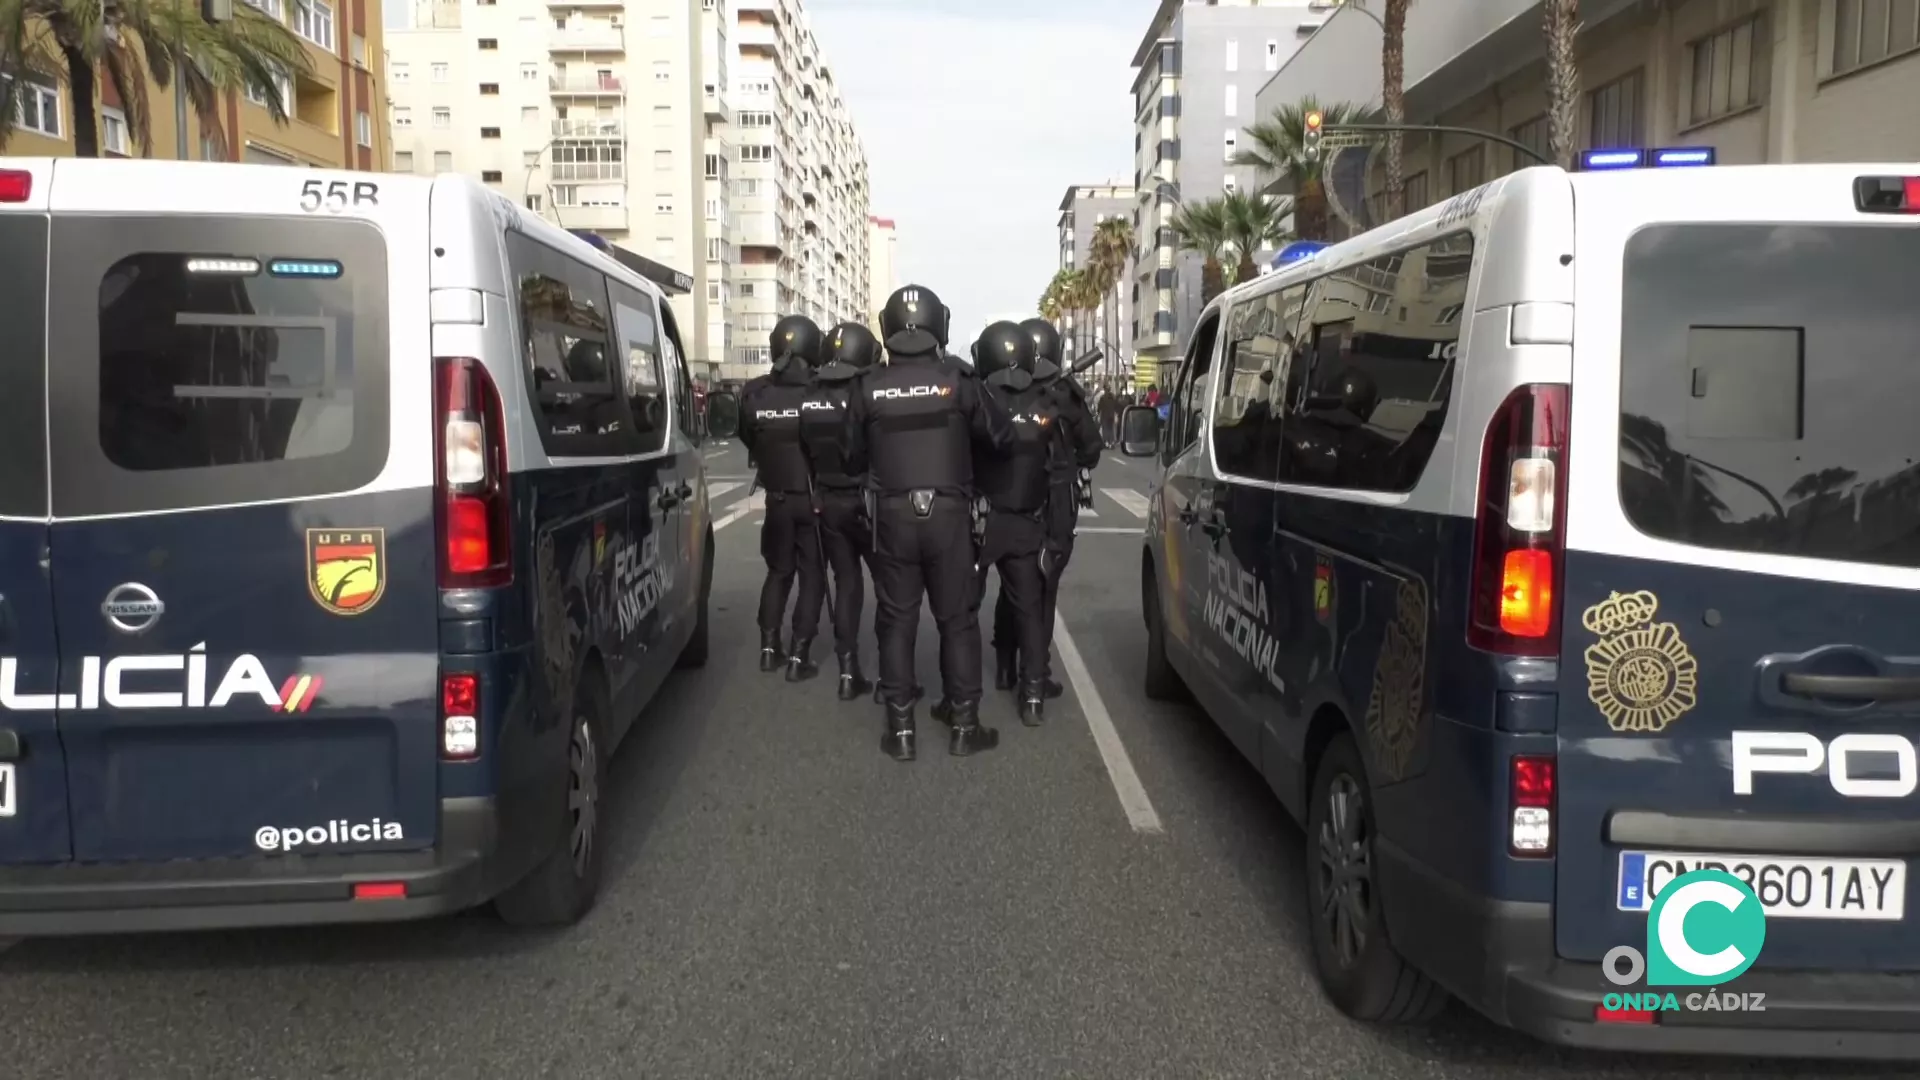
pixel 784 901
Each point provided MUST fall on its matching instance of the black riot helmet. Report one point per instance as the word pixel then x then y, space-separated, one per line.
pixel 1047 364
pixel 795 337
pixel 914 322
pixel 851 349
pixel 1003 356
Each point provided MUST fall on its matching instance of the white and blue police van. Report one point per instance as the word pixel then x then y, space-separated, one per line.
pixel 347 522
pixel 1552 542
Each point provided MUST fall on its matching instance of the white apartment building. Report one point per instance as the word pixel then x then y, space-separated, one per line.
pixel 798 187
pixel 883 272
pixel 592 112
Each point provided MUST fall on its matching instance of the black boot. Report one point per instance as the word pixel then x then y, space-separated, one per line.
pixel 898 740
pixel 880 694
pixel 772 656
pixel 1033 705
pixel 1005 664
pixel 969 735
pixel 852 684
pixel 942 711
pixel 800 665
pixel 1052 689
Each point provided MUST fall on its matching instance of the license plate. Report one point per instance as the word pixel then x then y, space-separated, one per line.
pixel 1788 888
pixel 6 790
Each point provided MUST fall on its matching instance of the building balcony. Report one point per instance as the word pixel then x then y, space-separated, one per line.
pixel 588 37
pixel 589 129
pixel 593 218
pixel 714 96
pixel 587 85
pixel 748 32
pixel 586 172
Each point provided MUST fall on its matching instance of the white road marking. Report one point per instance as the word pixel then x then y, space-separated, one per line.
pixel 1126 782
pixel 714 491
pixel 1088 511
pixel 1135 503
pixel 1110 530
pixel 757 501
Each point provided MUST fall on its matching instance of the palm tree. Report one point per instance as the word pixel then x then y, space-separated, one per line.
pixel 1252 223
pixel 1112 250
pixel 1053 302
pixel 1393 75
pixel 126 42
pixel 1202 229
pixel 1563 78
pixel 1083 295
pixel 1277 146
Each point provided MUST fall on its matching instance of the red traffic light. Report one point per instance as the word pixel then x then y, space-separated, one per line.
pixel 1314 120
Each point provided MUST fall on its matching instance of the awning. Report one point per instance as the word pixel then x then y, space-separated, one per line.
pixel 673 281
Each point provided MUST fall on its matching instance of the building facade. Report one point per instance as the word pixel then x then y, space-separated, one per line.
pixel 1197 72
pixel 592 114
pixel 338 107
pixel 1083 209
pixel 883 271
pixel 799 190
pixel 1757 80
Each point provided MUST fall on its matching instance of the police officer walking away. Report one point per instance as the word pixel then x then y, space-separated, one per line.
pixel 1015 486
pixel 850 351
pixel 770 408
pixel 913 428
pixel 1077 448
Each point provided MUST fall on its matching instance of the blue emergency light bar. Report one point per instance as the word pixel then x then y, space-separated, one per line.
pixel 1298 250
pixel 304 268
pixel 1672 157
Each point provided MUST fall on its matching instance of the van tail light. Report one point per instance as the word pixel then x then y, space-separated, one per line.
pixel 459 716
pixel 1532 783
pixel 1520 529
pixel 470 477
pixel 1884 194
pixel 15 186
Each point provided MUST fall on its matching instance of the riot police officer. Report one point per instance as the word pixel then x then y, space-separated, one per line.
pixel 1077 448
pixel 770 408
pixel 912 428
pixel 840 501
pixel 1015 487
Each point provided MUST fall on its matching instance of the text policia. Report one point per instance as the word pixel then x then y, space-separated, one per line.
pixel 1705 929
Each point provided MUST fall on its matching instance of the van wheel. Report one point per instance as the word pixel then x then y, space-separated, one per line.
pixel 695 654
pixel 1162 682
pixel 1358 967
pixel 562 888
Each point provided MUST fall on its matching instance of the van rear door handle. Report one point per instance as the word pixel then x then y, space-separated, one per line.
pixel 1853 687
pixel 684 492
pixel 668 500
pixel 1187 516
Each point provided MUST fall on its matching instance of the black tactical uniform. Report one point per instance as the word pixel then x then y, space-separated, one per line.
pixel 1016 489
pixel 851 351
pixel 770 408
pixel 1077 448
pixel 912 428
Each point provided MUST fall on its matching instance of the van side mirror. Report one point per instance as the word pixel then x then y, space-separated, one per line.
pixel 1139 431
pixel 723 415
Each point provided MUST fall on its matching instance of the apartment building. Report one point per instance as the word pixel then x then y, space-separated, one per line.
pixel 883 271
pixel 1197 70
pixel 591 112
pixel 338 108
pixel 1757 80
pixel 1083 209
pixel 799 192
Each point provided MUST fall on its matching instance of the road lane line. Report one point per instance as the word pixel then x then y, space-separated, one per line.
pixel 1110 530
pixel 714 491
pixel 1134 502
pixel 1126 782
pixel 757 501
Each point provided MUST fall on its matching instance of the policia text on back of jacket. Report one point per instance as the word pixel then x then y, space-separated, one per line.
pixel 913 429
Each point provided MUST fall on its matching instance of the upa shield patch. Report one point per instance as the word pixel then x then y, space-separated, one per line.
pixel 1640 674
pixel 347 568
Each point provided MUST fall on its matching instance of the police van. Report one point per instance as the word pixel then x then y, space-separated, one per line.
pixel 347 521
pixel 1513 684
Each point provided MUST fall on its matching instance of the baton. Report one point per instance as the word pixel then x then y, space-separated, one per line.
pixel 820 546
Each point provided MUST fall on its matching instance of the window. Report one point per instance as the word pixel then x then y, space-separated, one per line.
pixel 490 176
pixel 663 204
pixel 1273 55
pixel 219 388
pixel 488 44
pixel 1533 134
pixel 1780 427
pixel 403 161
pixel 662 71
pixel 1233 101
pixel 442 161
pixel 1230 183
pixel 716 249
pixel 439 73
pixel 1467 170
pixel 1614 114
pixel 113 131
pixel 1261 348
pixel 659 27
pixel 1365 409
pixel 1869 31
pixel 357 47
pixel 442 117
pixel 1233 56
pixel 402 116
pixel 489 132
pixel 38 109
pixel 489 89
pixel 754 119
pixel 529 72
pixel 663 160
pixel 1723 72
pixel 210 150
pixel 1188 411
pixel 662 115
pixel 663 245
pixel 399 72
pixel 753 152
pixel 363 129
pixel 313 20
pixel 565 340
pixel 282 88
pixel 1232 144
pixel 533 203
pixel 270 8
pixel 529 114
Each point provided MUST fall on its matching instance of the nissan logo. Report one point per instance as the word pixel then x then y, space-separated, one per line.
pixel 132 607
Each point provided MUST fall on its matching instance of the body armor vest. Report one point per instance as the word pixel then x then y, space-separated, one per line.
pixel 1018 481
pixel 917 436
pixel 775 409
pixel 823 426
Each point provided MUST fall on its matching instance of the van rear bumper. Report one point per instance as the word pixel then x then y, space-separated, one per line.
pixel 1498 956
pixel 50 901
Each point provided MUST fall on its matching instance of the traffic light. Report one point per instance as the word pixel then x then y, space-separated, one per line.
pixel 1315 127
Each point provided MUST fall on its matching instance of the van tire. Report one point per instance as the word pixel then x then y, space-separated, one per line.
pixel 1372 982
pixel 694 656
pixel 1162 682
pixel 561 890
